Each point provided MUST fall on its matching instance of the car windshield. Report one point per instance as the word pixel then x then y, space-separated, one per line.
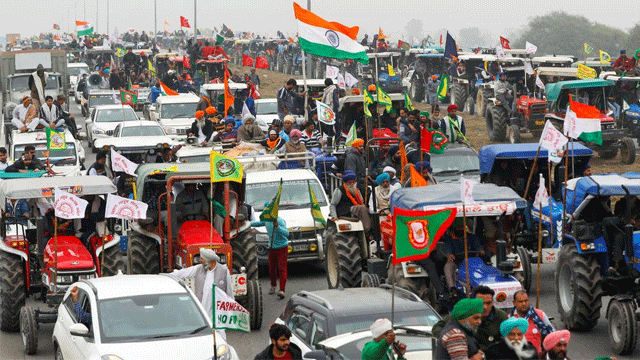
pixel 151 316
pixel 95 100
pixel 116 115
pixel 142 131
pixel 58 157
pixel 415 343
pixel 427 317
pixel 78 70
pixel 455 163
pixel 266 108
pixel 295 194
pixel 179 110
pixel 21 83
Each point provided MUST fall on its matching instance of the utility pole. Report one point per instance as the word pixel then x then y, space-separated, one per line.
pixel 155 20
pixel 309 5
pixel 195 21
pixel 107 17
pixel 84 17
pixel 97 15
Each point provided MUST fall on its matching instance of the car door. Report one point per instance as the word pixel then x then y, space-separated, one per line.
pixel 66 318
pixel 318 330
pixel 79 346
pixel 301 324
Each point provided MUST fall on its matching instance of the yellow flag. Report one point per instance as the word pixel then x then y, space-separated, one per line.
pixel 391 72
pixel 585 72
pixel 151 69
pixel 224 168
pixel 604 57
pixel 587 49
pixel 383 98
pixel 368 100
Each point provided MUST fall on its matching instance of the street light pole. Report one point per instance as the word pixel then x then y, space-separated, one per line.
pixel 309 5
pixel 195 21
pixel 97 14
pixel 107 17
pixel 155 19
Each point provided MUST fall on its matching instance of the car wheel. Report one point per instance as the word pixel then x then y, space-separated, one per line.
pixel 59 353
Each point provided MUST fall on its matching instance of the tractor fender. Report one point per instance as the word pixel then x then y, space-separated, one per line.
pixel 620 298
pixel 8 249
pixel 137 228
pixel 600 246
pixel 109 244
pixel 320 247
pixel 348 226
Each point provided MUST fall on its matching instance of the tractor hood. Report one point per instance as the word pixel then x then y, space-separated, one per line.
pixel 72 254
pixel 197 232
pixel 490 153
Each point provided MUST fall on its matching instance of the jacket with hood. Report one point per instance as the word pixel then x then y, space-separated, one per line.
pixel 267 354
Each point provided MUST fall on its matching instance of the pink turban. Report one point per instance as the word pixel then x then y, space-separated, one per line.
pixel 555 337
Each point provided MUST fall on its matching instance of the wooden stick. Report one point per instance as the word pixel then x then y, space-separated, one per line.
pixel 55 248
pixel 539 258
pixel 466 247
pixel 535 162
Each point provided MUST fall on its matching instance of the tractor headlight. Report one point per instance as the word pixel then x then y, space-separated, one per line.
pixel 86 276
pixel 65 279
pixel 633 113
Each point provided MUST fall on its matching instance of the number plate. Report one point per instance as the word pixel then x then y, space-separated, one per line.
pixel 303 247
pixel 239 282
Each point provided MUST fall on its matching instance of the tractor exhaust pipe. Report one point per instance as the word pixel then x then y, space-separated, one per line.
pixel 505 267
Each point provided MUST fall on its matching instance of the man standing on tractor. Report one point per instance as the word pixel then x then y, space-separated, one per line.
pixel 453 125
pixel 201 128
pixel 457 340
pixel 345 197
pixel 432 90
pixel 278 251
pixel 355 162
pixel 539 324
pixel 504 92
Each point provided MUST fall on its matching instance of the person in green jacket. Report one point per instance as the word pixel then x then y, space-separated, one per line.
pixel 383 337
pixel 278 252
pixel 489 330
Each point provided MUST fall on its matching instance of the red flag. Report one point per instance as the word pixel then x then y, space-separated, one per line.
pixel 440 39
pixel 247 60
pixel 184 22
pixel 505 43
pixel 228 98
pixel 262 63
pixel 185 62
pixel 426 138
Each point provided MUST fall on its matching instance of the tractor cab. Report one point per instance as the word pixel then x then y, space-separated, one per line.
pixel 377 71
pixel 213 70
pixel 626 96
pixel 473 69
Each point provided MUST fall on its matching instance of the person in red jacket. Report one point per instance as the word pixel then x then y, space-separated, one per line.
pixel 218 50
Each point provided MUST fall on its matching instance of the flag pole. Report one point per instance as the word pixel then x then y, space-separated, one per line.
pixel 539 254
pixel 535 162
pixel 213 318
pixel 104 240
pixel 466 246
pixel 55 246
pixel 211 215
pixel 304 82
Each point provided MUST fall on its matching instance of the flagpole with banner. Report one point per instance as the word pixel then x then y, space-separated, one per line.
pixel 55 245
pixel 213 318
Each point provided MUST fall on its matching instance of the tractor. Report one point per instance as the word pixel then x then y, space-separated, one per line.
pixel 34 261
pixel 464 86
pixel 163 242
pixel 625 95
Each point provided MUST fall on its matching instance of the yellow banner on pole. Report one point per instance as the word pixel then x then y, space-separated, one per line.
pixel 586 72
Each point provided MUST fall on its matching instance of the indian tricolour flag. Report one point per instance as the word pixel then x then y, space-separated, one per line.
pixel 320 37
pixel 583 122
pixel 84 28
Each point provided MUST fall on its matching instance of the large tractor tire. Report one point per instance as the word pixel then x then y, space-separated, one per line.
pixel 343 261
pixel 496 120
pixel 525 263
pixel 460 95
pixel 470 105
pixel 12 291
pixel 578 289
pixel 370 280
pixel 514 134
pixel 144 257
pixel 245 254
pixel 253 303
pixel 481 105
pixel 622 326
pixel 112 261
pixel 627 151
pixel 29 330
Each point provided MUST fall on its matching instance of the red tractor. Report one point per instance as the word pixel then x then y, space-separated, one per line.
pixel 28 248
pixel 166 241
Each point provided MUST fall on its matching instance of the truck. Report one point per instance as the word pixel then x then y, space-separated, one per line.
pixel 17 66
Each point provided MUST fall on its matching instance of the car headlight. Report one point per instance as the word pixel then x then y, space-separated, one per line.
pixel 170 131
pixel 110 357
pixel 223 352
pixel 631 113
pixel 262 238
pixel 98 131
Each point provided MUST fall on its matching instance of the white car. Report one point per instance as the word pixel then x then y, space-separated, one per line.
pixel 266 112
pixel 139 141
pixel 66 162
pixel 135 317
pixel 104 119
pixel 175 113
pixel 75 73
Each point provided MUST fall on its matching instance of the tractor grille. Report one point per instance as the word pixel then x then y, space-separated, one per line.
pixel 302 235
pixel 538 108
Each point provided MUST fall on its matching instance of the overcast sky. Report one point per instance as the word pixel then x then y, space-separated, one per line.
pixel 30 17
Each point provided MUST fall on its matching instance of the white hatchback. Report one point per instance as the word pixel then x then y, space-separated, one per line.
pixel 139 317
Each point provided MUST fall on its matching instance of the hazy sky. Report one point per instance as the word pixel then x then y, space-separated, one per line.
pixel 29 17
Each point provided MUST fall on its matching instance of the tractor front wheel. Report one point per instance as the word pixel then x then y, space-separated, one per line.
pixel 622 326
pixel 514 134
pixel 370 280
pixel 525 263
pixel 460 94
pixel 627 151
pixel 245 254
pixel 343 261
pixel 496 122
pixel 29 330
pixel 253 303
pixel 12 291
pixel 578 288
pixel 112 261
pixel 144 257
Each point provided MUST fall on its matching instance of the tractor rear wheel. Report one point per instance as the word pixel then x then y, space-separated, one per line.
pixel 112 261
pixel 496 120
pixel 343 261
pixel 481 106
pixel 12 291
pixel 525 263
pixel 253 303
pixel 29 330
pixel 622 326
pixel 245 254
pixel 578 288
pixel 627 151
pixel 460 93
pixel 144 257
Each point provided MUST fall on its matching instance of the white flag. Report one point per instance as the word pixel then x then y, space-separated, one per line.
pixel 325 113
pixel 121 163
pixel 116 100
pixel 123 208
pixel 350 80
pixel 340 81
pixel 539 83
pixel 352 135
pixel 527 68
pixel 500 53
pixel 245 110
pixel 466 191
pixel 228 314
pixel 530 48
pixel 542 196
pixel 551 138
pixel 332 72
pixel 69 206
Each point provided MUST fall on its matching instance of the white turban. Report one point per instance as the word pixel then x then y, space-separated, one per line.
pixel 380 327
pixel 209 255
pixel 389 169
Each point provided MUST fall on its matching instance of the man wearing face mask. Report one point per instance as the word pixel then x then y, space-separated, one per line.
pixel 201 128
pixel 454 249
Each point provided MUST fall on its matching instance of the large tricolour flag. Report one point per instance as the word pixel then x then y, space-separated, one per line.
pixel 583 122
pixel 320 37
pixel 84 28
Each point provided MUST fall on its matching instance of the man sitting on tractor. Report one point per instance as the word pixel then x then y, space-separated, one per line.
pixel 623 63
pixel 191 204
pixel 504 93
pixel 454 249
pixel 346 201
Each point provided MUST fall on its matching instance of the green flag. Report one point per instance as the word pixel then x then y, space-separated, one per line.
pixel 55 140
pixel 368 100
pixel 218 208
pixel 128 97
pixel 270 212
pixel 417 232
pixel 219 39
pixel 315 207
pixel 383 98
pixel 352 135
pixel 442 89
pixel 407 102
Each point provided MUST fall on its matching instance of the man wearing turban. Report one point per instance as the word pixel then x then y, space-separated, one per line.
pixel 354 160
pixel 456 341
pixel 555 345
pixel 514 346
pixel 453 125
pixel 380 347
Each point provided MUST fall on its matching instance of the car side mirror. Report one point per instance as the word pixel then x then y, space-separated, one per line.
pixel 88 121
pixel 316 354
pixel 79 329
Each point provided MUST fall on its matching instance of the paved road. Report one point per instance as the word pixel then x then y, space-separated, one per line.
pixel 584 346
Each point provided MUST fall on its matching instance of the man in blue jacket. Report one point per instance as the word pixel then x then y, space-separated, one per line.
pixel 278 251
